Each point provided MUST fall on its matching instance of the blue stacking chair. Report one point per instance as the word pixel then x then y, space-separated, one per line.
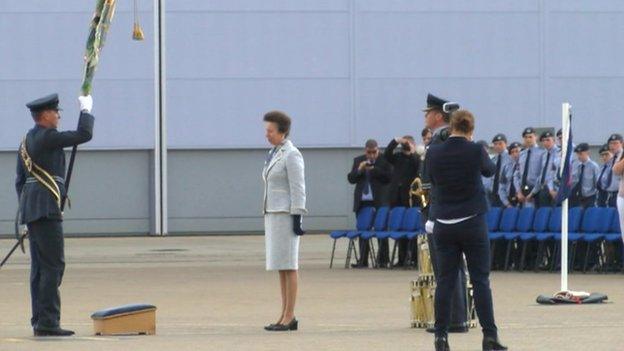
pixel 395 221
pixel 540 224
pixel 507 223
pixel 523 224
pixel 614 237
pixel 409 229
pixel 379 224
pixel 596 223
pixel 492 218
pixel 544 239
pixel 575 215
pixel 363 221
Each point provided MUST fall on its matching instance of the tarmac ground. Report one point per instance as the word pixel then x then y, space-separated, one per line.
pixel 213 293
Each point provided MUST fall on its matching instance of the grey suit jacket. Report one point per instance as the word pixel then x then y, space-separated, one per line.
pixel 284 182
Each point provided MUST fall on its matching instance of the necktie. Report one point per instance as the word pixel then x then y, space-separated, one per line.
pixel 579 190
pixel 526 169
pixel 546 165
pixel 599 182
pixel 497 175
pixel 512 188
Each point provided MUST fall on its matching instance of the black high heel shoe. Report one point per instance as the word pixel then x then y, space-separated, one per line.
pixel 293 325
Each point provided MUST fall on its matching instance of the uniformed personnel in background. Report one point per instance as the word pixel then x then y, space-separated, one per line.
pixel 585 173
pixel 605 157
pixel 501 159
pixel 507 190
pixel 529 165
pixel 612 181
pixel 543 192
pixel 40 186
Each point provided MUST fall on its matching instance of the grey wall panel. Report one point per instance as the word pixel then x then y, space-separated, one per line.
pixel 56 6
pixel 215 191
pixel 109 193
pixel 447 6
pixel 467 45
pixel 253 45
pixel 52 61
pixel 585 44
pixel 596 106
pixel 230 112
pixel 391 107
pixel 258 6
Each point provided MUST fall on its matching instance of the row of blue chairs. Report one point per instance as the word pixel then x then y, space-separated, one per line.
pixel 520 228
pixel 382 223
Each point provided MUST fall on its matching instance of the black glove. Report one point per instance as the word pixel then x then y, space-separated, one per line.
pixel 297 225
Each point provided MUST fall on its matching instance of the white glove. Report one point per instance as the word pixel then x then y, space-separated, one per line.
pixel 86 103
pixel 429 227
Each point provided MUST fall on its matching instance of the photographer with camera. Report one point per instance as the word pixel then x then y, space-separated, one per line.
pixel 401 153
pixel 370 174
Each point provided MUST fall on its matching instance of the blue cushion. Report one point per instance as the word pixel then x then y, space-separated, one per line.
pixel 398 235
pixel 383 235
pixel 527 236
pixel 571 236
pixel 125 309
pixel 352 234
pixel 613 237
pixel 592 237
pixel 495 235
pixel 337 234
pixel 367 234
pixel 544 236
pixel 511 236
pixel 412 235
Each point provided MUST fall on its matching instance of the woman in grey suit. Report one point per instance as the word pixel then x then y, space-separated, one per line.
pixel 284 204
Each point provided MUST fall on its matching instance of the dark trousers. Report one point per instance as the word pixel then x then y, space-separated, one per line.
pixel 364 251
pixel 543 198
pixel 470 238
pixel 457 300
pixel 46 272
pixel 603 198
pixel 495 200
pixel 583 201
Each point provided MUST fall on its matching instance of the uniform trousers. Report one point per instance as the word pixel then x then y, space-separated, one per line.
pixel 47 252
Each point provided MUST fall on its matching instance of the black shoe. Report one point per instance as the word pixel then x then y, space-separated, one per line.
pixel 293 325
pixel 52 332
pixel 359 265
pixel 441 344
pixel 270 326
pixel 492 344
pixel 452 329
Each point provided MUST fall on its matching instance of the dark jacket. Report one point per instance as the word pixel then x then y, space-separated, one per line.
pixel 45 147
pixel 456 167
pixel 405 170
pixel 379 177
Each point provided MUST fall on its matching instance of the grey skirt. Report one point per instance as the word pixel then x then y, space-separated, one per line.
pixel 282 244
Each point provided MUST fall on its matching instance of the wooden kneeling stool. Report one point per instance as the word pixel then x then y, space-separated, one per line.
pixel 125 320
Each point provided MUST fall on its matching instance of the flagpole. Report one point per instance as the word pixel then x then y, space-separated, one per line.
pixel 565 124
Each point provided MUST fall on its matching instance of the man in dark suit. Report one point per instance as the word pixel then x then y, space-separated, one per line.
pixel 459 207
pixel 370 174
pixel 401 154
pixel 437 116
pixel 40 186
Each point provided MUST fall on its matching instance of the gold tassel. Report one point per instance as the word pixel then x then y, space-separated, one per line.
pixel 137 33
